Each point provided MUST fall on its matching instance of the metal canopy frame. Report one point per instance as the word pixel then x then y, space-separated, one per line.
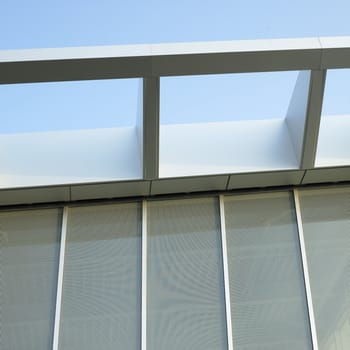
pixel 150 62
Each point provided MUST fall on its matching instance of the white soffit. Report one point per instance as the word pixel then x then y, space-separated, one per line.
pixel 225 147
pixel 334 142
pixel 65 157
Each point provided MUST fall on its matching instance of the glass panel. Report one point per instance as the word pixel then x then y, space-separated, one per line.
pixel 326 223
pixel 102 279
pixel 268 302
pixel 29 252
pixel 185 278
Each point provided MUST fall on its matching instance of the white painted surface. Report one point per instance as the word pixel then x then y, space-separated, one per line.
pixel 334 141
pixel 226 147
pixel 64 157
pixel 297 111
pixel 164 49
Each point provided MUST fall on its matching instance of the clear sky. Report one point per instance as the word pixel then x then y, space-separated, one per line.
pixel 58 23
pixel 45 23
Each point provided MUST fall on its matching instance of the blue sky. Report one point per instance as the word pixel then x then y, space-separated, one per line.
pixel 45 23
pixel 39 23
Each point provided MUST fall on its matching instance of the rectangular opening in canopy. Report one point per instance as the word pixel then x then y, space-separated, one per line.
pixel 69 132
pixel 333 147
pixel 230 123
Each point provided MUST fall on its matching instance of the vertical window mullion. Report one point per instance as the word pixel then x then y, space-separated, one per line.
pixel 305 271
pixel 226 273
pixel 60 279
pixel 144 278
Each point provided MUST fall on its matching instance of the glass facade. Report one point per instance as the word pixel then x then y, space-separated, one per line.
pixel 268 303
pixel 101 293
pixel 326 224
pixel 29 254
pixel 185 285
pixel 221 273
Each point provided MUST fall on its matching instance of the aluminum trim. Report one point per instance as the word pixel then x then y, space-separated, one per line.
pixel 60 279
pixel 144 278
pixel 305 271
pixel 226 273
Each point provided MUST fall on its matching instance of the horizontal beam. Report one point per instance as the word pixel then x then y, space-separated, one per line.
pixel 192 184
pixel 130 61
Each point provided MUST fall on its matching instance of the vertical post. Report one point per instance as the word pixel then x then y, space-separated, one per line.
pixel 226 273
pixel 144 278
pixel 304 115
pixel 150 127
pixel 60 279
pixel 305 271
pixel 313 118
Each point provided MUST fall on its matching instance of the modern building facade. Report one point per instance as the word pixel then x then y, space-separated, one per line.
pixel 213 235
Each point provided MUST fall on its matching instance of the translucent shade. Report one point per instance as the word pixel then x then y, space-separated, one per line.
pixel 102 279
pixel 268 302
pixel 185 278
pixel 29 249
pixel 326 223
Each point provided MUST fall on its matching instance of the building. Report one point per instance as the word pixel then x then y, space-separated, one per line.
pixel 197 236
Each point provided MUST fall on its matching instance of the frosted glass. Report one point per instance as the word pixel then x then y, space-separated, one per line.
pixel 185 277
pixel 326 223
pixel 102 279
pixel 29 251
pixel 268 303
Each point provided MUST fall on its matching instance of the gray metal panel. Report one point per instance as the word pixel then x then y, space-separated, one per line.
pixel 73 69
pixel 34 195
pixel 110 190
pixel 236 62
pixel 151 91
pixel 276 178
pixel 189 184
pixel 320 175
